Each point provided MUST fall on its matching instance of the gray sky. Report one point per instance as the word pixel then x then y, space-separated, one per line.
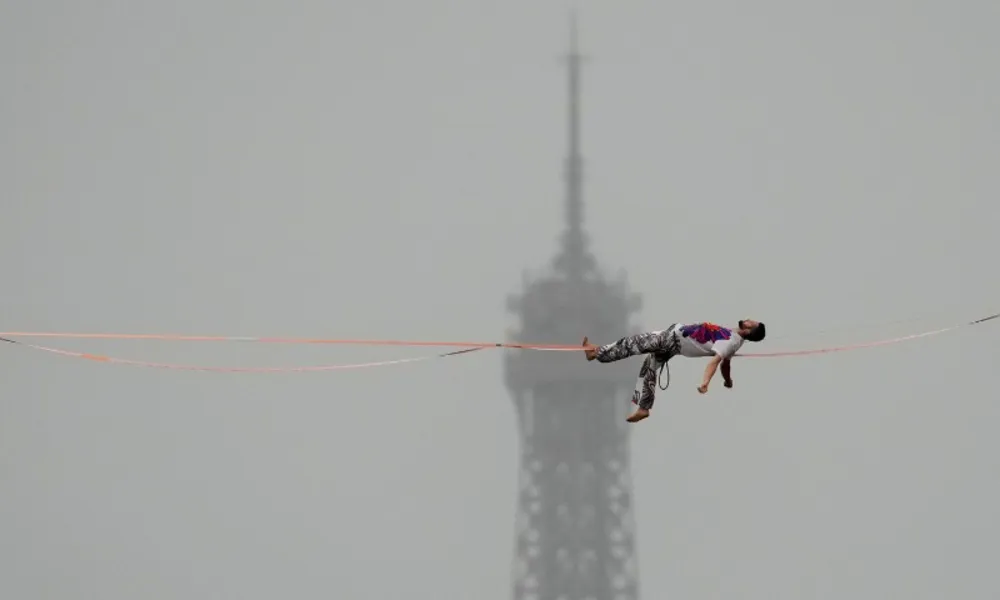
pixel 388 169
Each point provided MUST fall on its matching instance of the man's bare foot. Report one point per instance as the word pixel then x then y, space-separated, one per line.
pixel 589 350
pixel 638 415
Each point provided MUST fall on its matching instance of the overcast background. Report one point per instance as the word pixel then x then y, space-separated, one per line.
pixel 389 168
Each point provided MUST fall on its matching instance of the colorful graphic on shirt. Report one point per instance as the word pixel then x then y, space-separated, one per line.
pixel 705 333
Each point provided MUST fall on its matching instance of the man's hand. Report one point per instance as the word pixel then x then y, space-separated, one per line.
pixel 703 388
pixel 589 350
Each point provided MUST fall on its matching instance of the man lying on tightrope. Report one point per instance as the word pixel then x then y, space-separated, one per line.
pixel 693 341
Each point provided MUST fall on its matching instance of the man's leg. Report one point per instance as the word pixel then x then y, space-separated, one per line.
pixel 633 345
pixel 659 346
pixel 645 388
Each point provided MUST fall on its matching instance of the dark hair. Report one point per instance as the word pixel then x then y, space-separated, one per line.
pixel 757 333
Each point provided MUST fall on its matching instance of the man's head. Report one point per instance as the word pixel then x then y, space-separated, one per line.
pixel 752 331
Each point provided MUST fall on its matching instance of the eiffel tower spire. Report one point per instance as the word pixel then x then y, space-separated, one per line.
pixel 574 259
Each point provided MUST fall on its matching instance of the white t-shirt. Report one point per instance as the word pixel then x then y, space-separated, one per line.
pixel 706 339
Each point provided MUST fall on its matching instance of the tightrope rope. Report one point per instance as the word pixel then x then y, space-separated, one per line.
pixel 184 367
pixel 859 346
pixel 283 340
pixel 468 347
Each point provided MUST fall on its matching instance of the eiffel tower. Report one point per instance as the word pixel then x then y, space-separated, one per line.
pixel 575 530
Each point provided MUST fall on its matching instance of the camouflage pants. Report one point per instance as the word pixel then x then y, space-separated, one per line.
pixel 660 346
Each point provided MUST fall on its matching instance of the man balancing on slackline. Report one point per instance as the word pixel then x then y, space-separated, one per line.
pixel 692 341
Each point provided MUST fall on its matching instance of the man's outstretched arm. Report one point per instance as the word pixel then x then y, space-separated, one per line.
pixel 710 369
